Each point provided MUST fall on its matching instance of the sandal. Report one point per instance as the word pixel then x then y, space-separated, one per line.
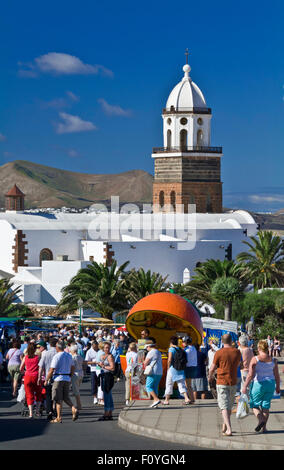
pixel 75 415
pixel 56 420
pixel 103 418
pixel 164 403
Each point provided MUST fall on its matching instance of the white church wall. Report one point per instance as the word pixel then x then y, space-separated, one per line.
pixel 164 257
pixel 234 236
pixel 29 293
pixel 56 275
pixel 60 242
pixel 7 234
pixel 93 248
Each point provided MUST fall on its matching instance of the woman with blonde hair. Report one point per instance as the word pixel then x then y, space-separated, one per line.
pixel 263 371
pixel 107 380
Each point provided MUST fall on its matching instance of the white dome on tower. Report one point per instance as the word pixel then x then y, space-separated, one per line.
pixel 186 94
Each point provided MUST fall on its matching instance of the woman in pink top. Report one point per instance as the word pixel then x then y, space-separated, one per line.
pixel 32 387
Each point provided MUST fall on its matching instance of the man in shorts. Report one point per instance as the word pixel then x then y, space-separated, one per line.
pixel 61 369
pixel 191 365
pixel 226 361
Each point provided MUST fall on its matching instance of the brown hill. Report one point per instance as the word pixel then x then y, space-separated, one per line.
pixel 51 187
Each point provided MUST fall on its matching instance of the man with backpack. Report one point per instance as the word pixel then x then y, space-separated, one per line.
pixel 176 366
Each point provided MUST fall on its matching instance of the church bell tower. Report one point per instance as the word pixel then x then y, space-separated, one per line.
pixel 187 167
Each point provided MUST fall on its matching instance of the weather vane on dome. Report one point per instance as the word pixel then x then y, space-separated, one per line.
pixel 186 54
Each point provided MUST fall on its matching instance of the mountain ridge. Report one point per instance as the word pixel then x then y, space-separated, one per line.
pixel 46 186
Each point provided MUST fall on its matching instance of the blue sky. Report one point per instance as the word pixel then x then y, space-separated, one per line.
pixel 83 85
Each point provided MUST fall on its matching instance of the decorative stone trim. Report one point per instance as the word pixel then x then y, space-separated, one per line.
pixel 108 254
pixel 20 251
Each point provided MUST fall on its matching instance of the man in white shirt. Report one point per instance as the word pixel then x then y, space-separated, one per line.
pixel 91 359
pixel 191 365
pixel 211 354
pixel 44 366
pixel 61 369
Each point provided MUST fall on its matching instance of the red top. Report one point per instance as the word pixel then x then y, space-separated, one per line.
pixel 31 364
pixel 15 191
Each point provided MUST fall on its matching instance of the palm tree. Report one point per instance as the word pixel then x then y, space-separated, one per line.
pixel 140 283
pixel 263 265
pixel 226 290
pixel 199 288
pixel 100 287
pixel 8 296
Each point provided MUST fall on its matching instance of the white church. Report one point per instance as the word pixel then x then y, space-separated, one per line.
pixel 41 252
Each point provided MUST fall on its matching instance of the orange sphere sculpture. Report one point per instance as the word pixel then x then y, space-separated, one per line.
pixel 164 315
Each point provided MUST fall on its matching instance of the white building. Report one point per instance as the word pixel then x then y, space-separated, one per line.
pixel 44 251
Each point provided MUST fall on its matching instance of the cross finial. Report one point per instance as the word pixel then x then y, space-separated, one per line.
pixel 186 54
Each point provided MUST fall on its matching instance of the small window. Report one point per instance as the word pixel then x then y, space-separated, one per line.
pixel 183 121
pixel 200 121
pixel 169 121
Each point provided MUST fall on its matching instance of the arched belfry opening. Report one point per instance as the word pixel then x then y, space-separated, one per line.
pixel 183 139
pixel 162 199
pixel 208 204
pixel 173 200
pixel 169 139
pixel 200 138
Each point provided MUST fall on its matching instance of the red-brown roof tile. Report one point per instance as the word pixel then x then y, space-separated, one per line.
pixel 15 191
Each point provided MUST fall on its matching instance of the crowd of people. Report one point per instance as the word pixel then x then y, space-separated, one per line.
pixel 47 365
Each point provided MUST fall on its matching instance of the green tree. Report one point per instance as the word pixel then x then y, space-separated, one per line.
pixel 8 296
pixel 270 327
pixel 199 288
pixel 257 305
pixel 140 283
pixel 102 288
pixel 226 290
pixel 279 303
pixel 263 264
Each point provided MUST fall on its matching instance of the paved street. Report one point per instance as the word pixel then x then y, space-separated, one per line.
pixel 201 424
pixel 19 433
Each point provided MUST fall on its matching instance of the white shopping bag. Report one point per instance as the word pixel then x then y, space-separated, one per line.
pixel 21 394
pixel 276 396
pixel 243 407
